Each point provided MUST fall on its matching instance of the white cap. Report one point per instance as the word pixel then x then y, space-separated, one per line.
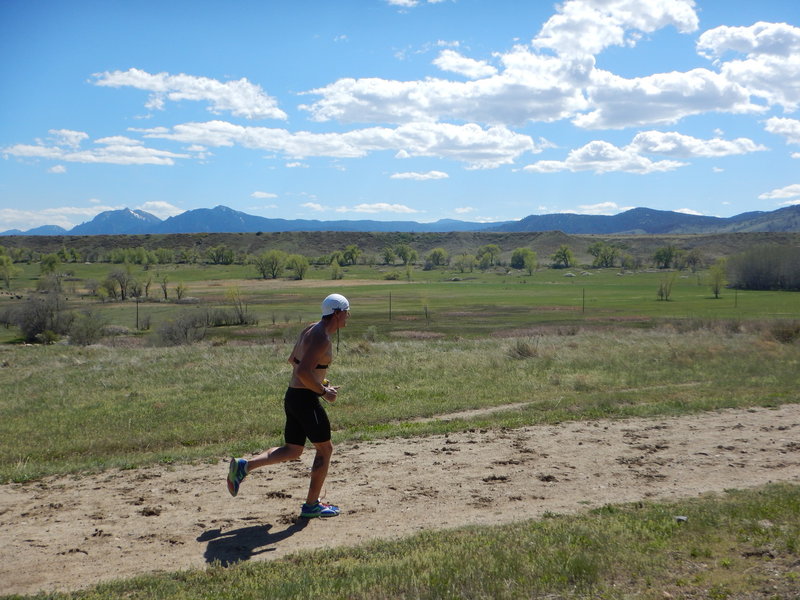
pixel 334 302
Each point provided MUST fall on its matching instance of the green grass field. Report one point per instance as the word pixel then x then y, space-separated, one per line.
pixel 584 347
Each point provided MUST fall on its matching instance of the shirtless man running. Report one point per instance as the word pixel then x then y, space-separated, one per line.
pixel 305 416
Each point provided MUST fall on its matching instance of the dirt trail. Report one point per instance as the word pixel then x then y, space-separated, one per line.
pixel 66 533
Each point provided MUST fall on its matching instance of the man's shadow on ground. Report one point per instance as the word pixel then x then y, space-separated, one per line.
pixel 236 545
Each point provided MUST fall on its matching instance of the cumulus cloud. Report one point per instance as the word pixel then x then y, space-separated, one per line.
pixel 420 176
pixel 603 157
pixel 587 27
pixel 661 98
pixel 788 128
pixel 116 150
pixel 684 146
pixel 240 97
pixel 315 206
pixel 450 60
pixel 262 195
pixel 531 87
pixel 470 143
pixel 771 66
pixel 57 169
pixel 790 191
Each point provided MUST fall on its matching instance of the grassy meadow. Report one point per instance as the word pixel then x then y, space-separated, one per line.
pixel 419 345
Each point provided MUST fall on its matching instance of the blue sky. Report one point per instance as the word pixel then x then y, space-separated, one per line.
pixel 478 110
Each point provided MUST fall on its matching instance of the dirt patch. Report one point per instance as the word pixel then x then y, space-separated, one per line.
pixel 65 533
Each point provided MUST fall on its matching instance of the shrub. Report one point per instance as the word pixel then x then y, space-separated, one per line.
pixel 522 349
pixel 786 332
pixel 38 315
pixel 186 328
pixel 87 328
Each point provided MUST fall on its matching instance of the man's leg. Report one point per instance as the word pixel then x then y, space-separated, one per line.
pixel 240 467
pixel 273 456
pixel 319 470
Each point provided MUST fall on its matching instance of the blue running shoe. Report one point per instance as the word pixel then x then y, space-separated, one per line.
pixel 318 509
pixel 236 473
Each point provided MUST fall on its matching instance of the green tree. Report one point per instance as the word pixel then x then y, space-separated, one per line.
pixel 220 255
pixel 665 287
pixel 299 264
pixel 524 258
pixel 438 257
pixel 488 253
pixel 270 264
pixel 406 253
pixel 465 262
pixel 49 263
pixel 605 255
pixel 665 257
pixel 351 254
pixel 718 276
pixel 389 255
pixel 563 258
pixel 8 270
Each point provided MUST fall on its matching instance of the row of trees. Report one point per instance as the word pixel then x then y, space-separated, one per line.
pixel 758 268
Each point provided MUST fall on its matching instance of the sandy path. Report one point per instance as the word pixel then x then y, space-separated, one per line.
pixel 70 532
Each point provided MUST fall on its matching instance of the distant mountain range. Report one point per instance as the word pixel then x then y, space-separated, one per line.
pixel 222 219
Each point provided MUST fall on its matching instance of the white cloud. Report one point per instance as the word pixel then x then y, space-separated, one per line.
pixel 788 128
pixel 463 210
pixel 532 87
pixel 450 60
pixel 57 169
pixel 771 67
pixel 420 176
pixel 67 137
pixel 661 98
pixel 603 157
pixel 63 216
pixel 313 206
pixel 117 150
pixel 240 97
pixel 480 148
pixel 790 191
pixel 684 146
pixel 410 3
pixel 587 27
pixel 160 209
pixel 689 211
pixel 296 165
pixel 602 208
pixel 263 195
pixel 379 207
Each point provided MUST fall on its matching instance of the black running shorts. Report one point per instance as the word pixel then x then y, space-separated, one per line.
pixel 305 418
